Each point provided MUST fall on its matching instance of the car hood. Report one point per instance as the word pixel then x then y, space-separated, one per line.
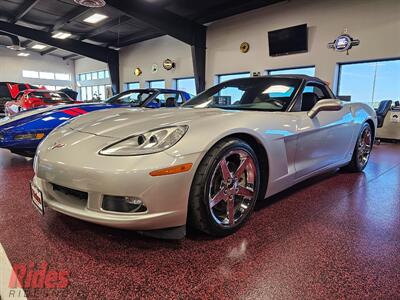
pixel 123 122
pixel 34 114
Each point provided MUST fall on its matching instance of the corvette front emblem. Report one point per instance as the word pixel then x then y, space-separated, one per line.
pixel 57 146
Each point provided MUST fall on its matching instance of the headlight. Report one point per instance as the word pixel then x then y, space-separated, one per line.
pixel 147 143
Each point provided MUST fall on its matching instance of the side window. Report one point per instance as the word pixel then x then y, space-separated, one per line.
pixel 166 100
pixel 312 93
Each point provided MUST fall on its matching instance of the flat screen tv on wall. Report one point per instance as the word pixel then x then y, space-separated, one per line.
pixel 288 40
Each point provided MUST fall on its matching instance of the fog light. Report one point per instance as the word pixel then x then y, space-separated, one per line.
pixel 133 200
pixel 123 204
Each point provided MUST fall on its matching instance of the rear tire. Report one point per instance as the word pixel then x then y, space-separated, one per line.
pixel 362 150
pixel 225 188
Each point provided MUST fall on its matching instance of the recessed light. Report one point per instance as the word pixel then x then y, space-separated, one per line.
pixel 39 46
pixel 23 54
pixel 95 18
pixel 61 35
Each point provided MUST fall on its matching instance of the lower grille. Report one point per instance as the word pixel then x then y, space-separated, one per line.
pixel 70 192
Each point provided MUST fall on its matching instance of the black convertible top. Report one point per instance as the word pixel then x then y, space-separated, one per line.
pixel 297 76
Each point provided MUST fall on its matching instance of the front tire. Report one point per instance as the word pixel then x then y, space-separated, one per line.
pixel 225 188
pixel 362 150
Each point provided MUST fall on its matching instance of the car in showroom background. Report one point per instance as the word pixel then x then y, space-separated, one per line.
pixel 23 132
pixel 204 164
pixel 30 99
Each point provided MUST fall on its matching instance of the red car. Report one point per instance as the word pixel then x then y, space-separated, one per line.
pixel 29 99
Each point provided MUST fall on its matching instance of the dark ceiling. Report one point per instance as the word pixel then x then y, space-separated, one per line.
pixel 118 30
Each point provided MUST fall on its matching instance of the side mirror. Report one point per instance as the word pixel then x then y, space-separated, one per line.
pixel 325 105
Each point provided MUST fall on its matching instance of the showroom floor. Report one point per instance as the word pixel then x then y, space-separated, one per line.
pixel 336 236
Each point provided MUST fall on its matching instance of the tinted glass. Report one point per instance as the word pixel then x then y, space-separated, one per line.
pixel 269 94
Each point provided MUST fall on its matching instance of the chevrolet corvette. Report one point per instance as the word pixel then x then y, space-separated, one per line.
pixel 205 164
pixel 22 133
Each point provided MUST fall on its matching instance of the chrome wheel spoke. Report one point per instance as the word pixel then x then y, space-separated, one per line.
pixel 232 193
pixel 226 174
pixel 220 196
pixel 242 167
pixel 245 192
pixel 231 211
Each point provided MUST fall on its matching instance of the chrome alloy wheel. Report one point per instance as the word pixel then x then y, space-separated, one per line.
pixel 232 188
pixel 365 146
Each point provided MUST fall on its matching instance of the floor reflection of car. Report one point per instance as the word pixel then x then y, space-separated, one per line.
pixel 29 99
pixel 23 132
pixel 204 164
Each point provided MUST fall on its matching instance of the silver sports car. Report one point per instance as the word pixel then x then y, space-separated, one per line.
pixel 205 164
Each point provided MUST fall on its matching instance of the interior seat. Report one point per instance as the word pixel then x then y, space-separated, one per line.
pixel 308 101
pixel 382 111
pixel 170 102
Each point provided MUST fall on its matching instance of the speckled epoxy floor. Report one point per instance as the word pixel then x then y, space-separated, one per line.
pixel 333 237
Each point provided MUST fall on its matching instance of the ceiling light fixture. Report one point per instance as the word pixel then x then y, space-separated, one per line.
pixel 61 35
pixel 39 46
pixel 95 18
pixel 23 54
pixel 91 3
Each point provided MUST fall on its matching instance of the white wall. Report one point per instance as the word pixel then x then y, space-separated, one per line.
pixel 11 67
pixel 155 51
pixel 375 22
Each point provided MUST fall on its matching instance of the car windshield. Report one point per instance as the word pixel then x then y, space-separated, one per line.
pixel 133 97
pixel 51 97
pixel 262 93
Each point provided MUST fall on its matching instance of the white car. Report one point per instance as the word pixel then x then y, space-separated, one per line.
pixel 205 164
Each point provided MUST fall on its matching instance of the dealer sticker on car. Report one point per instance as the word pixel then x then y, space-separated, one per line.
pixel 37 198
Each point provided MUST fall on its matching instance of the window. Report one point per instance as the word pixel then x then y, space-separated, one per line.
pixel 157 84
pixel 187 85
pixel 101 74
pixel 83 94
pixel 102 92
pixel 370 82
pixel 313 93
pixel 166 100
pixel 222 78
pixel 63 76
pixel 46 75
pixel 50 87
pixel 133 85
pixel 107 74
pixel 82 77
pixel 89 76
pixel 89 93
pixel 94 75
pixel 310 71
pixel 30 74
pixel 272 94
pixel 232 93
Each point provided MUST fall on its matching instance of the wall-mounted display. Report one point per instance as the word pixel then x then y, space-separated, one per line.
pixel 289 40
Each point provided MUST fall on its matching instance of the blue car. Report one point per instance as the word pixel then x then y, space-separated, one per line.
pixel 22 133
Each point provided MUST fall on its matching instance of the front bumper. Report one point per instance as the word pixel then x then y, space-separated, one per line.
pixel 165 197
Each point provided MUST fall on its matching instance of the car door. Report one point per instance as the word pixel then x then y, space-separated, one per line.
pixel 325 139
